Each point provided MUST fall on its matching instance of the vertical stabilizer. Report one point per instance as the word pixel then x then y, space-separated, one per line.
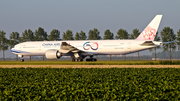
pixel 149 33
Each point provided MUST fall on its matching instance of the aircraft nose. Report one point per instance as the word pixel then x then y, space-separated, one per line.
pixel 12 49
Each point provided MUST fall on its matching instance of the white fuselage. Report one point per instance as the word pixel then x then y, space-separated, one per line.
pixel 90 47
pixel 78 50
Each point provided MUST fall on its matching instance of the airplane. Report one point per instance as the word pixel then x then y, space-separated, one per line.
pixel 79 49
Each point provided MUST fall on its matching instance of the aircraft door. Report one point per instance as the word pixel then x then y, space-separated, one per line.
pixel 129 46
pixel 39 47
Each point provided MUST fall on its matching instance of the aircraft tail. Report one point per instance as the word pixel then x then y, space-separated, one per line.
pixel 149 33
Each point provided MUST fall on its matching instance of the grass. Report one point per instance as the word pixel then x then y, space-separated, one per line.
pixel 100 62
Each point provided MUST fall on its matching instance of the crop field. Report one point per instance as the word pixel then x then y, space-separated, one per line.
pixel 114 62
pixel 89 84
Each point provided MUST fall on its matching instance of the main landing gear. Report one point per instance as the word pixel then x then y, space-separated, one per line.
pixel 79 59
pixel 91 58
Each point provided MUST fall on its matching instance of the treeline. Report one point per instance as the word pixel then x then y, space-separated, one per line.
pixel 166 35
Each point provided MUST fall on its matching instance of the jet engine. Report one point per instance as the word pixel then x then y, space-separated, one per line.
pixel 53 54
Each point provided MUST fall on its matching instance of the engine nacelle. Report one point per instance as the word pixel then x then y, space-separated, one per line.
pixel 53 54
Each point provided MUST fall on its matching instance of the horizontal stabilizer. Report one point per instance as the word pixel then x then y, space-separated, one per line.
pixel 168 42
pixel 148 43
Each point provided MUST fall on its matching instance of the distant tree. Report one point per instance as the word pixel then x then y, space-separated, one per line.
pixel 94 34
pixel 167 35
pixel 40 34
pixel 122 34
pixel 77 37
pixel 14 39
pixel 27 35
pixel 68 35
pixel 135 34
pixel 54 35
pixel 157 37
pixel 82 35
pixel 108 34
pixel 3 43
pixel 178 39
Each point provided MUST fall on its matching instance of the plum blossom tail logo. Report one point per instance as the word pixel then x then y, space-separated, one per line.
pixel 149 33
pixel 89 45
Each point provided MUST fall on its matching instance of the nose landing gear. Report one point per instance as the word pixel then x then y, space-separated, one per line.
pixel 22 60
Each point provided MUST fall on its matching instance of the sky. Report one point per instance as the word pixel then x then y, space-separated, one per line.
pixel 77 15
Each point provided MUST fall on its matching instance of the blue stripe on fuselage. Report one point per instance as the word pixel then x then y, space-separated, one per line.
pixel 18 51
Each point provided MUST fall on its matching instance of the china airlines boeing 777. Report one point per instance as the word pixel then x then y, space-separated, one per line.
pixel 78 50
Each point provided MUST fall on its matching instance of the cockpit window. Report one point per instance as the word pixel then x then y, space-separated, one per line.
pixel 15 46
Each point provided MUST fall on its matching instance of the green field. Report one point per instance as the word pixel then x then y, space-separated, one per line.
pixel 68 62
pixel 89 84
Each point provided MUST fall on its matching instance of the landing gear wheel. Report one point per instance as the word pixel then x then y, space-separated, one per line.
pixel 79 60
pixel 22 60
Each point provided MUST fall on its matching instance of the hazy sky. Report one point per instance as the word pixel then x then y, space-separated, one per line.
pixel 77 15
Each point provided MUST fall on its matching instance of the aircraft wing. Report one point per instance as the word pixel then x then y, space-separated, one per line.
pixel 66 48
